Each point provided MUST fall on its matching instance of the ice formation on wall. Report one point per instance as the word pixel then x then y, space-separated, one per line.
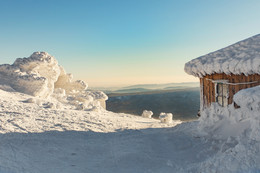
pixel 241 57
pixel 40 75
pixel 147 114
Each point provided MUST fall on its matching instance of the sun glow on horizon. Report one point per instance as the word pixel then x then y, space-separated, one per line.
pixel 128 81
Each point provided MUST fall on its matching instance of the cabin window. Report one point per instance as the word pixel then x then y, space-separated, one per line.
pixel 221 93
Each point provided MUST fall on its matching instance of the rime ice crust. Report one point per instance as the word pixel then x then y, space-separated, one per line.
pixel 241 57
pixel 40 75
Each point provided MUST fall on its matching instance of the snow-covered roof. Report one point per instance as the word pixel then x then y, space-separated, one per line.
pixel 241 57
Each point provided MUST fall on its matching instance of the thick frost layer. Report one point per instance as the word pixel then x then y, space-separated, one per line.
pixel 241 57
pixel 40 75
pixel 147 114
pixel 239 131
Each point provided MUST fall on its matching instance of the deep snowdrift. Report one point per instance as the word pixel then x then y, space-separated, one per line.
pixel 239 133
pixel 40 75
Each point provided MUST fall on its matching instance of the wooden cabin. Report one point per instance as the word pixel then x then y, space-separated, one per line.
pixel 225 72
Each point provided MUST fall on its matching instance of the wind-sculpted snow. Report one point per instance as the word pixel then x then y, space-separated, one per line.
pixel 40 75
pixel 241 57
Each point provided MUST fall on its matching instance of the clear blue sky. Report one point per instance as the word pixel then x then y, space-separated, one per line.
pixel 122 42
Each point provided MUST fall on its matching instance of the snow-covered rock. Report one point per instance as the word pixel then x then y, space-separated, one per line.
pixel 147 114
pixel 34 75
pixel 40 75
pixel 65 81
pixel 165 117
pixel 241 57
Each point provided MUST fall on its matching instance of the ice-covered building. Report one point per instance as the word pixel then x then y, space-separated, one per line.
pixel 224 72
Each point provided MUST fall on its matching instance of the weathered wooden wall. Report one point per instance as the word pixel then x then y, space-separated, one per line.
pixel 209 86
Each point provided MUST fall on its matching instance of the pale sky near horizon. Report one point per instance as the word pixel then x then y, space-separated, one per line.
pixel 124 42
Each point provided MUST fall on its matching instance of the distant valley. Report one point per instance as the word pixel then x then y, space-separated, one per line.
pixel 180 99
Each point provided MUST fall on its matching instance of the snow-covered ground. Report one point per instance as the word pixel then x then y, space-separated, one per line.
pixel 38 139
pixel 62 127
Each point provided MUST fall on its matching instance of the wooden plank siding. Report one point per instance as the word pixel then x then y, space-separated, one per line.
pixel 209 87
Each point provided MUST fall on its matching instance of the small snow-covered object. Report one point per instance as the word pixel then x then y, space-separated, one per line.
pixel 165 117
pixel 147 114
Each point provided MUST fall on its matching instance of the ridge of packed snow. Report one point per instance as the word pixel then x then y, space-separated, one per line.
pixel 241 57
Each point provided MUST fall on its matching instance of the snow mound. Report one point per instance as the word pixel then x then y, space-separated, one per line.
pixel 241 57
pixel 239 131
pixel 40 75
pixel 165 117
pixel 147 114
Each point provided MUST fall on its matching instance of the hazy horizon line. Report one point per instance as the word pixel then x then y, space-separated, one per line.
pixel 136 84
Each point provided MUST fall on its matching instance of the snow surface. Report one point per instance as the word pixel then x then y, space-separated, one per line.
pixel 37 138
pixel 241 57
